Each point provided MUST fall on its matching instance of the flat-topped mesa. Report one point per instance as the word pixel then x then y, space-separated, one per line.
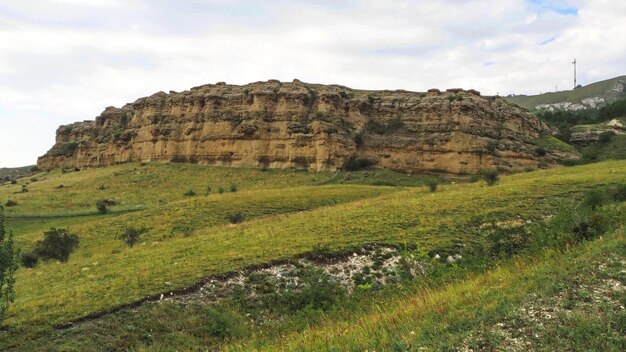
pixel 311 126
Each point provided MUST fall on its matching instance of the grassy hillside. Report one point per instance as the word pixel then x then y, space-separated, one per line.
pixel 287 214
pixel 7 173
pixel 598 89
pixel 527 304
pixel 615 149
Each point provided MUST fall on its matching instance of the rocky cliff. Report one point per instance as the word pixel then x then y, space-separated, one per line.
pixel 299 125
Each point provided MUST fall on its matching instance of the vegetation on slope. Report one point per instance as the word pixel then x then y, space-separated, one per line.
pixel 598 89
pixel 105 273
pixel 566 122
pixel 479 303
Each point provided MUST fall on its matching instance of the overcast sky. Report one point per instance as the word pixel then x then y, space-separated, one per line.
pixel 66 60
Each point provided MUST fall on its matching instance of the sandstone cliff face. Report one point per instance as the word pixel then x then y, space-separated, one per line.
pixel 298 125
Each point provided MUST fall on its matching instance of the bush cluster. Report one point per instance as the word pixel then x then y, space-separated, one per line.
pixel 355 163
pixel 57 244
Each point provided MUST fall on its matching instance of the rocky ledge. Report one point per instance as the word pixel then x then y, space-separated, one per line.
pixel 309 126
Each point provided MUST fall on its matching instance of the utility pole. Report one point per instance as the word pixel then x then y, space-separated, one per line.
pixel 574 63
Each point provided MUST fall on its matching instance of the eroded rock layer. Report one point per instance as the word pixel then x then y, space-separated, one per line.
pixel 299 125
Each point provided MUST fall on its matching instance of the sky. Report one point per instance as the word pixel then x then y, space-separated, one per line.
pixel 63 61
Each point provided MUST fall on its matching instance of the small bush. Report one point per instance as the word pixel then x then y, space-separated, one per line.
pixel 132 235
pixel 102 207
pixel 189 193
pixel 57 244
pixel 29 259
pixel 233 188
pixel 504 243
pixel 491 147
pixel 13 182
pixel 219 323
pixel 540 151
pixel 10 203
pixel 220 190
pixel 474 178
pixel 432 185
pixel 596 198
pixel 354 163
pixel 490 176
pixel 358 139
pixel 24 189
pixel 605 137
pixel 236 218
pixel 319 291
pixel 618 192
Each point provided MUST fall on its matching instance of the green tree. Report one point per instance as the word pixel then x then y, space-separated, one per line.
pixel 8 266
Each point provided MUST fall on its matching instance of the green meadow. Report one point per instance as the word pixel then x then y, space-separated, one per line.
pixel 283 214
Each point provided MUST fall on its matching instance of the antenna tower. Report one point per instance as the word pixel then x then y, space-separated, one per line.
pixel 574 63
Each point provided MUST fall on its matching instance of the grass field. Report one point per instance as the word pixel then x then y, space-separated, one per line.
pixel 286 213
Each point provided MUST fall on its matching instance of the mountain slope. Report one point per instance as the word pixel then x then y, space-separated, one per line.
pixel 590 96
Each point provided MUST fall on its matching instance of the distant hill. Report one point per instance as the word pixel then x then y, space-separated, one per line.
pixel 9 173
pixel 590 96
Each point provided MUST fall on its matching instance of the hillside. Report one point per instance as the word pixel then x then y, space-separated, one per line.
pixel 587 97
pixel 309 126
pixel 10 173
pixel 112 295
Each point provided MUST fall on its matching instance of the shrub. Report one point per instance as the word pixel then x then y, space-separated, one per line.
pixel 102 207
pixel 490 176
pixel 29 259
pixel 491 147
pixel 132 235
pixel 505 242
pixel 189 193
pixel 354 163
pixel 432 184
pixel 474 178
pixel 596 198
pixel 605 137
pixel 220 190
pixel 10 203
pixel 219 323
pixel 358 139
pixel 318 291
pixel 57 244
pixel 540 151
pixel 618 192
pixel 13 182
pixel 236 218
pixel 24 189
pixel 8 266
pixel 233 188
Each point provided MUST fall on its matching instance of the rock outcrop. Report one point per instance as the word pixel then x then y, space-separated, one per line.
pixel 584 135
pixel 310 126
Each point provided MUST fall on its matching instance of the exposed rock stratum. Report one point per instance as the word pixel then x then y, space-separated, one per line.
pixel 318 127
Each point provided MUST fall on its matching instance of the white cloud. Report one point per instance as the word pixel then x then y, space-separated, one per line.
pixel 65 60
